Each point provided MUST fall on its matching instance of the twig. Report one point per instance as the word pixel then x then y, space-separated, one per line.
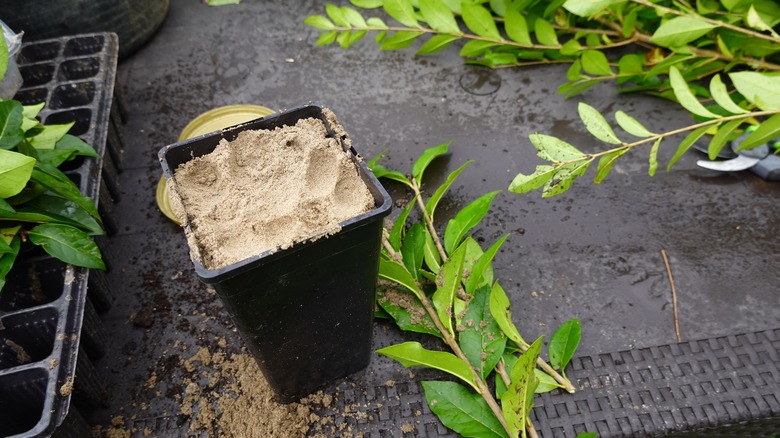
pixel 674 295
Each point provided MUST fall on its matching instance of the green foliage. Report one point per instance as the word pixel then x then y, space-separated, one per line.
pixel 448 291
pixel 39 204
pixel 675 51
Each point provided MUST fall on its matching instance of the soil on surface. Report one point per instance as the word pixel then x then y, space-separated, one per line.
pixel 267 190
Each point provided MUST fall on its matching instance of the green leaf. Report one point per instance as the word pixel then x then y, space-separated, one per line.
pixel 720 139
pixel 344 39
pixel 685 96
pixel 597 124
pixel 223 2
pixel 68 244
pixel 412 249
pixel 11 116
pixel 436 43
pixel 353 17
pixel 466 219
pixel 518 400
pixel 754 20
pixel 7 236
pixel 57 182
pixel 439 17
pixel 481 338
pixel 433 201
pixel 50 135
pixel 475 277
pixel 7 260
pixel 400 225
pixel 545 33
pixel 402 11
pixel 327 38
pixel 448 282
pixel 64 211
pixel 628 66
pixel 15 171
pixel 588 435
pixel 376 22
pixel 392 271
pixel 629 24
pixel 80 147
pixel 589 8
pixel 564 343
pixel 680 31
pixel 3 66
pixel 564 177
pixel 367 4
pixel 632 125
pixel 554 149
pixel 32 111
pixel 516 27
pixel 595 62
pixel 720 93
pixel 464 412
pixel 573 47
pixel 653 166
pixel 526 183
pixel 412 354
pixel 686 144
pixel 479 20
pixel 499 308
pixel 768 130
pixel 320 22
pixel 476 48
pixel 761 89
pixel 425 159
pixel 546 382
pixel 606 162
pixel 337 15
pixel 407 311
pixel 381 171
pixel 399 40
pixel 431 254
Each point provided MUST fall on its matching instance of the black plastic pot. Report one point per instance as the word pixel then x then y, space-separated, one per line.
pixel 306 312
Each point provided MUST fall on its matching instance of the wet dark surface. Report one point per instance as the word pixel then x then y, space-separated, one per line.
pixel 593 253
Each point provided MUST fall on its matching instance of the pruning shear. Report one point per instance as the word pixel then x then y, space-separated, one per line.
pixel 763 160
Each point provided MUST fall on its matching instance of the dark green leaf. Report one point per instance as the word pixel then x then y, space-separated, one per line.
pixel 564 177
pixel 461 410
pixel 433 201
pixel 480 21
pixel 448 282
pixel 606 162
pixel 64 211
pixel 431 254
pixel 629 24
pixel 526 183
pixel 518 400
pixel 407 311
pixel 320 22
pixel 11 115
pixel 439 17
pixel 412 354
pixel 499 308
pixel 55 157
pixel 516 27
pixel 597 124
pixel 399 40
pixel 722 137
pixel 594 62
pixel 402 11
pixel 768 130
pixel 653 166
pixel 686 144
pixel 7 236
pixel 545 33
pixel 466 219
pixel 436 43
pixel 475 278
pixel 425 159
pixel 381 171
pixel 392 271
pixel 396 234
pixel 680 31
pixel 7 260
pixel 632 125
pixel 554 149
pixel 15 171
pixel 68 244
pixel 564 343
pixel 573 88
pixel 481 338
pixel 57 182
pixel 720 93
pixel 685 96
pixel 412 249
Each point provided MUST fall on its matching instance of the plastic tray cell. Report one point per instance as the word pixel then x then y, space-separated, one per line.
pixel 27 337
pixel 79 69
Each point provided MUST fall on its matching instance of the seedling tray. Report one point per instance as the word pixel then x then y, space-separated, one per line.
pixel 45 316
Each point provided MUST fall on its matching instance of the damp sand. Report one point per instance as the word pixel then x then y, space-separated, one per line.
pixel 267 190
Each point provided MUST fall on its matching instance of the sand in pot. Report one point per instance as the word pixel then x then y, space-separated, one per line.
pixel 267 190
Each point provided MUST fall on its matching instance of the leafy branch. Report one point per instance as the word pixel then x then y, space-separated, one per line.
pixel 444 286
pixel 677 46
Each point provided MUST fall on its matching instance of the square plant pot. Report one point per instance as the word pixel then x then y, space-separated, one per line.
pixel 306 312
